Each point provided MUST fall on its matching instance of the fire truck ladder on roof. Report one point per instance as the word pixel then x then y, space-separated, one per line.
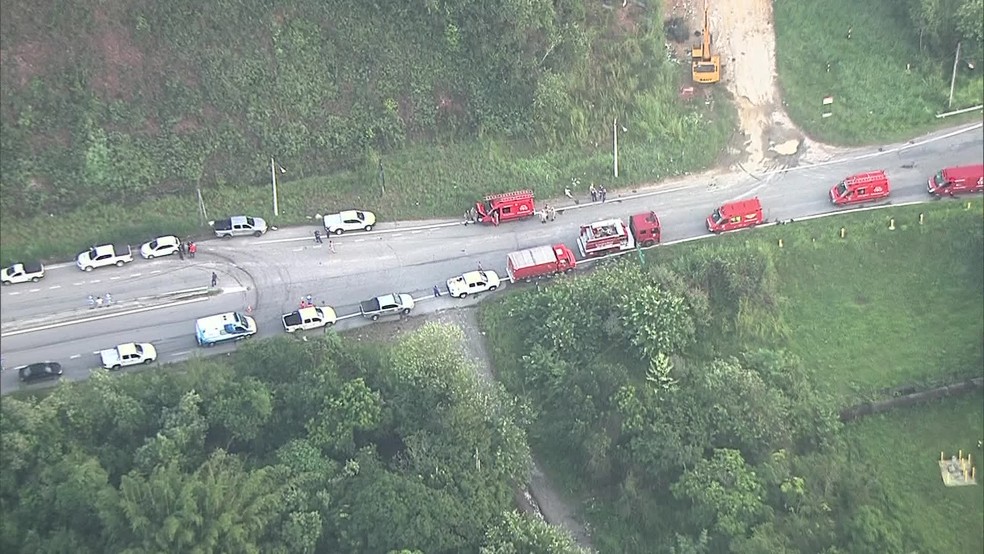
pixel 866 178
pixel 509 195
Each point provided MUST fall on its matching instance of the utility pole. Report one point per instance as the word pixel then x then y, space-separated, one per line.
pixel 615 146
pixel 273 179
pixel 953 80
pixel 201 205
pixel 382 178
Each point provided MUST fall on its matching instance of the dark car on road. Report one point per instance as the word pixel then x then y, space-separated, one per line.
pixel 41 371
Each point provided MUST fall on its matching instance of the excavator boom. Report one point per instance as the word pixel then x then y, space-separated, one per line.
pixel 705 66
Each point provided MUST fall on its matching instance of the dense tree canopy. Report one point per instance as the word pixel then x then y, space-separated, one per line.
pixel 289 447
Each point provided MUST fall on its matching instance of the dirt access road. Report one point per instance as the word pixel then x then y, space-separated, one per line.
pixel 744 36
pixel 540 497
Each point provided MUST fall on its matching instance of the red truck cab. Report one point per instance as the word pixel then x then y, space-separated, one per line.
pixel 507 206
pixel 862 187
pixel 736 215
pixel 541 261
pixel 952 181
pixel 645 228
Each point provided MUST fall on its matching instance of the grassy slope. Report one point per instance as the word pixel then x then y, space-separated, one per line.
pixel 200 107
pixel 875 98
pixel 903 447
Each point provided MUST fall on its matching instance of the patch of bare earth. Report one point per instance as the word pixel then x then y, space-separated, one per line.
pixel 539 497
pixel 744 36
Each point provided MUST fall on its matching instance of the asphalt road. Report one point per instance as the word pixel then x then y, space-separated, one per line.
pixel 158 301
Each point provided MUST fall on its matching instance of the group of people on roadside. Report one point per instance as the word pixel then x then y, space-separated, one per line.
pixel 189 248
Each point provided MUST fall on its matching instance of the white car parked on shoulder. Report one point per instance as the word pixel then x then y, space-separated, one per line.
pixel 128 354
pixel 349 220
pixel 161 246
pixel 22 273
pixel 473 282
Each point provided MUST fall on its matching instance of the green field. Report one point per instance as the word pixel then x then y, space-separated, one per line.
pixel 902 448
pixel 886 308
pixel 876 99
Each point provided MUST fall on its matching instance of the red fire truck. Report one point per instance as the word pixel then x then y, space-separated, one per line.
pixel 957 180
pixel 862 187
pixel 736 215
pixel 542 261
pixel 505 207
pixel 611 235
pixel 645 228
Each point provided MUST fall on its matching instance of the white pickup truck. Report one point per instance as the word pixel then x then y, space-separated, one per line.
pixel 313 317
pixel 387 304
pixel 128 354
pixel 105 255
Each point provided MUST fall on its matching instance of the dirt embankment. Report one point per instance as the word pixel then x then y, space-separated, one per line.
pixel 743 35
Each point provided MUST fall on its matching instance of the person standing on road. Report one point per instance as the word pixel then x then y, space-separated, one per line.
pixel 215 279
pixel 594 193
pixel 109 299
pixel 317 236
pixel 192 248
pixel 181 250
pixel 331 246
pixel 437 291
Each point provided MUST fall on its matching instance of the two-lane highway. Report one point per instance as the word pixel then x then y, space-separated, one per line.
pixel 269 275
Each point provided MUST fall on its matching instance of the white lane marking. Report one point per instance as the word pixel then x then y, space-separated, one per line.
pixel 114 278
pixel 14 293
pixel 176 354
pixel 135 275
pixel 75 357
pixel 34 290
pixel 100 317
pixel 226 290
pixel 94 281
pixel 79 284
pixel 53 287
pixel 156 271
pixel 296 249
pixel 96 352
pixel 373 232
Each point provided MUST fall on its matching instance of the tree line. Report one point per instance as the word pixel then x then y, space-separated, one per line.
pixel 657 387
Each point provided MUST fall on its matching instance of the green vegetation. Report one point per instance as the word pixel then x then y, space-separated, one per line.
pixel 903 447
pixel 876 98
pixel 286 447
pixel 113 111
pixel 691 403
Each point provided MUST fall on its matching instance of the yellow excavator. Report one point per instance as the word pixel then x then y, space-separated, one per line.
pixel 706 66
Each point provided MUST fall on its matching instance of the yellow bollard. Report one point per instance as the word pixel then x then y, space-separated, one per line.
pixel 960 454
pixel 968 206
pixel 780 243
pixel 941 455
pixel 973 472
pixel 921 217
pixel 965 474
pixel 891 224
pixel 843 232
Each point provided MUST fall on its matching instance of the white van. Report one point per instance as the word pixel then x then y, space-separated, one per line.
pixel 224 327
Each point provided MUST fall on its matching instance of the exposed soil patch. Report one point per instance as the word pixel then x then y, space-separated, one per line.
pixel 121 57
